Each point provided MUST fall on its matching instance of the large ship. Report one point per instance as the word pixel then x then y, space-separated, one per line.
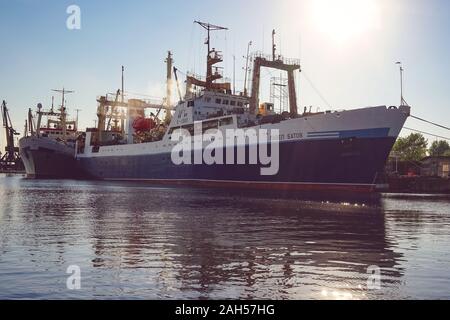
pixel 317 151
pixel 48 147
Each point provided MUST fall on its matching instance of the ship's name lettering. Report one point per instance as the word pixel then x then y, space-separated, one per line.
pixel 291 136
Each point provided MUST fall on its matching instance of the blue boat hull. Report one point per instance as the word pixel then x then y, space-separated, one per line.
pixel 328 164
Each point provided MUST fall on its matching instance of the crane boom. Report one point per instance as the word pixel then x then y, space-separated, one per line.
pixel 175 72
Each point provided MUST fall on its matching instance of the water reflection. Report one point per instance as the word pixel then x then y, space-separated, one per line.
pixel 134 241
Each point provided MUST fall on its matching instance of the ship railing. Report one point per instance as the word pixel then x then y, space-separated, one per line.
pixel 203 78
pixel 287 61
pixel 148 101
pixel 110 98
pixel 216 55
pixel 153 102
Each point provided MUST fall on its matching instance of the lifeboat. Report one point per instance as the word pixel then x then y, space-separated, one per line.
pixel 142 124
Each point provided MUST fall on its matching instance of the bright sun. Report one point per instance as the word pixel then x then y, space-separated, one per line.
pixel 345 19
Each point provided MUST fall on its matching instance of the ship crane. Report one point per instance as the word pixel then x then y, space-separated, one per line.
pixel 104 103
pixel 114 112
pixel 11 159
pixel 135 110
pixel 175 73
pixel 279 63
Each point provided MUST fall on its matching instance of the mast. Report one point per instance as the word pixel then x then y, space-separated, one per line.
pixel 76 122
pixel 234 74
pixel 122 97
pixel 209 27
pixel 25 130
pixel 213 56
pixel 30 122
pixel 39 120
pixel 274 46
pixel 402 99
pixel 169 62
pixel 63 111
pixel 246 67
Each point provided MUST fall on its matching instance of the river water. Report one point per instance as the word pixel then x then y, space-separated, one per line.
pixel 134 241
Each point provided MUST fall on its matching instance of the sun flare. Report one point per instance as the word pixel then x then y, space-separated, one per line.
pixel 344 20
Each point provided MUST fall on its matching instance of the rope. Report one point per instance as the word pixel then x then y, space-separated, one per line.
pixel 427 133
pixel 315 89
pixel 433 123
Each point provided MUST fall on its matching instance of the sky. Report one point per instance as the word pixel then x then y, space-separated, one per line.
pixel 347 48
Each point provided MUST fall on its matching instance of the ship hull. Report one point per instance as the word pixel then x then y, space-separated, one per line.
pixel 343 152
pixel 46 158
pixel 350 165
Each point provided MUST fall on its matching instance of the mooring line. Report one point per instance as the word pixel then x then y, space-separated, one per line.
pixel 427 133
pixel 430 122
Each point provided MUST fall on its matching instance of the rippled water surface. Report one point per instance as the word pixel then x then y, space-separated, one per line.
pixel 138 241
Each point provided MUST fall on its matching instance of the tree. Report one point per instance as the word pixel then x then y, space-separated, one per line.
pixel 439 148
pixel 412 147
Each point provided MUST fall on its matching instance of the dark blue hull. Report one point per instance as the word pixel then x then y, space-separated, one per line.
pixel 349 164
pixel 46 158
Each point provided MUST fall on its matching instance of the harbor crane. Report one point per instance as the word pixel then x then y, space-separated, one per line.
pixel 11 158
